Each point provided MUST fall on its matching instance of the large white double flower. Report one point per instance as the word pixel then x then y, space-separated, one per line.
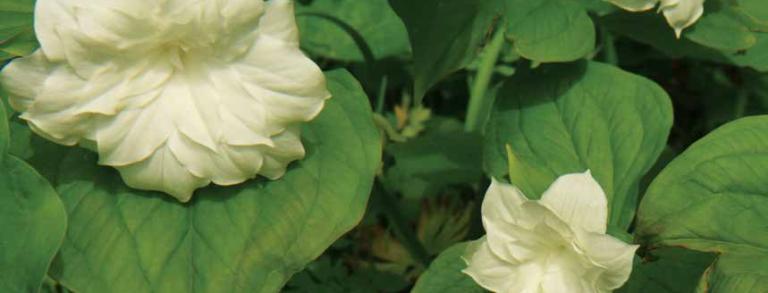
pixel 556 244
pixel 175 94
pixel 680 14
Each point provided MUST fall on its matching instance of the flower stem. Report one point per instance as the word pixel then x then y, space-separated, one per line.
pixel 609 48
pixel 479 90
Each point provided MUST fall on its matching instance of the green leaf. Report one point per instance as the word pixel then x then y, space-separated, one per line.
pixel 16 31
pixel 744 273
pixel 713 198
pixel 756 57
pixel 444 274
pixel 550 30
pixel 445 35
pixel 373 20
pixel 247 238
pixel 567 118
pixel 722 176
pixel 33 225
pixel 722 31
pixel 675 270
pixel 5 132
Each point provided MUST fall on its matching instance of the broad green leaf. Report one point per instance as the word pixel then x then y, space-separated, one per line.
pixel 33 221
pixel 247 238
pixel 743 273
pixel 757 10
pixel 33 225
pixel 722 31
pixel 21 44
pixel 445 35
pixel 5 132
pixel 713 198
pixel 444 274
pixel 445 155
pixel 374 21
pixel 16 31
pixel 756 57
pixel 550 30
pixel 674 270
pixel 722 176
pixel 568 118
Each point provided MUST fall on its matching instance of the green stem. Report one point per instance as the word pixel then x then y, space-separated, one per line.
pixel 479 90
pixel 382 95
pixel 742 99
pixel 609 48
pixel 400 227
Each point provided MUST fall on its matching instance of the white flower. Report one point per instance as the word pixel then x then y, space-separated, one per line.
pixel 556 244
pixel 175 94
pixel 680 14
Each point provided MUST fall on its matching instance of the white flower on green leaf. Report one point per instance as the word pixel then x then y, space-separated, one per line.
pixel 175 94
pixel 680 14
pixel 556 244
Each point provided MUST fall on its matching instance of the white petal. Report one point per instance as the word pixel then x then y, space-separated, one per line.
pixel 287 148
pixel 635 5
pixel 494 274
pixel 175 94
pixel 559 279
pixel 505 222
pixel 162 172
pixel 502 203
pixel 578 200
pixel 684 14
pixel 278 22
pixel 24 78
pixel 613 256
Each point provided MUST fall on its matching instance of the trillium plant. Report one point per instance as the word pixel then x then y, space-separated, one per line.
pixel 384 146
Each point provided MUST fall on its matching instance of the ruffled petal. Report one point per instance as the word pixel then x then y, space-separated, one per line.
pixel 162 172
pixel 287 148
pixel 175 94
pixel 578 200
pixel 505 222
pixel 24 78
pixel 278 22
pixel 496 275
pixel 612 256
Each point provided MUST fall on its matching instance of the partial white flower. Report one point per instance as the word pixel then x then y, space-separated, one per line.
pixel 175 94
pixel 556 244
pixel 680 14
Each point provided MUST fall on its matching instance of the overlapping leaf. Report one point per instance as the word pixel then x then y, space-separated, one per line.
pixel 16 32
pixel 33 221
pixel 714 198
pixel 550 30
pixel 329 28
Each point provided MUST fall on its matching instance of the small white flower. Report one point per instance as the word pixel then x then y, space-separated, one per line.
pixel 175 94
pixel 556 244
pixel 680 14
